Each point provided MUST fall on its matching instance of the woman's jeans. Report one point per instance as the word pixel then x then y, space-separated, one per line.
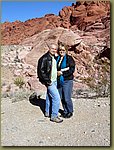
pixel 52 100
pixel 65 92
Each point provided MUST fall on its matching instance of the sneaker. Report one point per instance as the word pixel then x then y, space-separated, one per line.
pixel 46 114
pixel 56 119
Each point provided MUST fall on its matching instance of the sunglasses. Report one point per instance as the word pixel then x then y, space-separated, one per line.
pixel 62 50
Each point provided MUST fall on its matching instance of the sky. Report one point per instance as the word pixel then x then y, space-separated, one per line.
pixel 25 10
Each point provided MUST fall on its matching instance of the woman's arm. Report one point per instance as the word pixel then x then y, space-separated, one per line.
pixel 71 65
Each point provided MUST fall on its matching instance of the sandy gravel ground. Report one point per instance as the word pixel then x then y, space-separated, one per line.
pixel 23 124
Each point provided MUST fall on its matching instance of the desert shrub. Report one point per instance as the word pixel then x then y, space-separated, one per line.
pixel 98 77
pixel 20 95
pixel 19 81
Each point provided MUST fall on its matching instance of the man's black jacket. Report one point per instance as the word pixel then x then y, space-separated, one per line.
pixel 44 69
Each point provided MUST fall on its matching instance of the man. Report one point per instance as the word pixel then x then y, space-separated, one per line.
pixel 47 74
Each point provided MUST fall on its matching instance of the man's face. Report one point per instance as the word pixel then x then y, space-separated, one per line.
pixel 53 49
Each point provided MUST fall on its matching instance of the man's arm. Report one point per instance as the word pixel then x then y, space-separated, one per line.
pixel 41 71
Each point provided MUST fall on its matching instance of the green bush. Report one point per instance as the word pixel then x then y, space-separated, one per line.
pixel 19 81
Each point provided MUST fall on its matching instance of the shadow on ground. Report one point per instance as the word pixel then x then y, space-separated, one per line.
pixel 37 101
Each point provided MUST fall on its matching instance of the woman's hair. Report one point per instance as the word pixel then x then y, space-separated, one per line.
pixel 62 46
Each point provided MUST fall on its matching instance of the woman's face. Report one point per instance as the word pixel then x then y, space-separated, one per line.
pixel 62 52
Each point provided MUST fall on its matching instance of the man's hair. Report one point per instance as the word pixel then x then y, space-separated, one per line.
pixel 50 45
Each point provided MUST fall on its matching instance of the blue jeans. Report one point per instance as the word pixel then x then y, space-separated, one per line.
pixel 52 100
pixel 65 92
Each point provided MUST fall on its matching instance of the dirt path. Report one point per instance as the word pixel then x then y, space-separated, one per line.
pixel 23 124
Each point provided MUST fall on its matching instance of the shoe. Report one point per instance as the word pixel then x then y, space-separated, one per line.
pixel 63 115
pixel 56 119
pixel 46 114
pixel 68 115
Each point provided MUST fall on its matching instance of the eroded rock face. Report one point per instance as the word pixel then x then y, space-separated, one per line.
pixel 85 16
pixel 41 42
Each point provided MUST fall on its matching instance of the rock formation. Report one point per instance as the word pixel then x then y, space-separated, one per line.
pixel 84 27
pixel 82 15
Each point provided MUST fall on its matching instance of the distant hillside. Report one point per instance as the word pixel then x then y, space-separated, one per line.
pixel 82 16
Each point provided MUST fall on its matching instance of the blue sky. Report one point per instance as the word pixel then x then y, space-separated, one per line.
pixel 24 10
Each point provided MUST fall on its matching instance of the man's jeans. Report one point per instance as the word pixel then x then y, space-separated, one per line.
pixel 65 93
pixel 52 100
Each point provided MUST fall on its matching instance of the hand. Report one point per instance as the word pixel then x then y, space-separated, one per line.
pixel 59 73
pixel 48 84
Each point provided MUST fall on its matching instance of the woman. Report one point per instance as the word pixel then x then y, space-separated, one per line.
pixel 66 68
